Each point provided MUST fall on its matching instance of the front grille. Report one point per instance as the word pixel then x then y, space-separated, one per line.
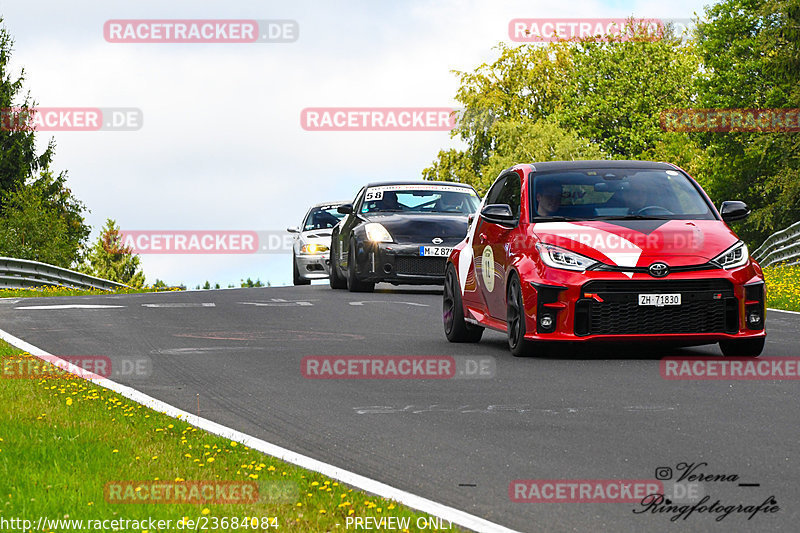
pixel 685 285
pixel 411 265
pixel 707 306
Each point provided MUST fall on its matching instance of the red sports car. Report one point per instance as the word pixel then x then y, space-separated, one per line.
pixel 604 250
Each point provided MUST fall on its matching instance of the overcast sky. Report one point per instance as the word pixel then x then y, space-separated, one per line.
pixel 221 147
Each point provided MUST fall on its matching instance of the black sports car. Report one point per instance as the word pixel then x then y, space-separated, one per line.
pixel 399 232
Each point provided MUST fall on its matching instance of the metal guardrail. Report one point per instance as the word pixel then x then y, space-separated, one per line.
pixel 21 274
pixel 781 247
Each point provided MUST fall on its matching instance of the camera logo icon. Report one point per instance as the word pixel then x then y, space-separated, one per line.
pixel 663 473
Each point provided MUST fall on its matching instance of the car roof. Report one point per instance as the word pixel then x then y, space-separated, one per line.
pixel 418 182
pixel 599 164
pixel 338 202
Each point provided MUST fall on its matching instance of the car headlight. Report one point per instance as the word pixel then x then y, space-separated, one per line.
pixel 557 257
pixel 734 257
pixel 377 233
pixel 313 249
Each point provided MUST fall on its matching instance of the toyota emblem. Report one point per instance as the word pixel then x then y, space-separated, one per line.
pixel 437 240
pixel 658 270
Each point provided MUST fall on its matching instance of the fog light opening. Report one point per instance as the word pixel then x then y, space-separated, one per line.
pixel 546 321
pixel 754 318
pixel 387 268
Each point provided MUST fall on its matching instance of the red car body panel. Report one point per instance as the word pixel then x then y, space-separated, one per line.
pixel 678 243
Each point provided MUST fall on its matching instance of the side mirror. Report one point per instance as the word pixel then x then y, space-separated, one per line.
pixel 499 214
pixel 733 210
pixel 345 209
pixel 293 229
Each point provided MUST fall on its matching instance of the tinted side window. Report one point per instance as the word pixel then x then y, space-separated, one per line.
pixel 511 193
pixel 495 191
pixel 357 201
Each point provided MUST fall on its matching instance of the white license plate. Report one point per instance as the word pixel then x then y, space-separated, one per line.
pixel 435 251
pixel 659 300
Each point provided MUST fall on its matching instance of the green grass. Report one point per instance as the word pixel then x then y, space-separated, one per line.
pixel 783 287
pixel 62 440
pixel 39 292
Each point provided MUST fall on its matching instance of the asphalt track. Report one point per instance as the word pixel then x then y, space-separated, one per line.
pixel 580 413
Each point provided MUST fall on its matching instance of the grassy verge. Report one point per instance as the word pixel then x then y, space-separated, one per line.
pixel 39 292
pixel 63 440
pixel 783 287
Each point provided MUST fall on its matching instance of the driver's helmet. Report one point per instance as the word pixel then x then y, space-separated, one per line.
pixel 389 201
pixel 450 201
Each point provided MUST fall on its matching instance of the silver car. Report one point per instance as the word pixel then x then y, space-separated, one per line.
pixel 312 241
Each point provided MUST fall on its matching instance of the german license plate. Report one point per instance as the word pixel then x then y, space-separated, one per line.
pixel 659 300
pixel 435 251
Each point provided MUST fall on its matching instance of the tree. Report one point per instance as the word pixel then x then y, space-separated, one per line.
pixel 21 167
pixel 751 53
pixel 18 158
pixel 619 87
pixel 110 259
pixel 583 99
pixel 31 229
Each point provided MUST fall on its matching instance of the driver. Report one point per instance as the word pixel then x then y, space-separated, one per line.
pixel 548 199
pixel 635 197
pixel 450 203
pixel 389 202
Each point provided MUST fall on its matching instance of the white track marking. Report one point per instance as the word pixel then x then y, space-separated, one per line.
pixel 70 306
pixel 387 301
pixel 783 311
pixel 452 515
pixel 276 302
pixel 180 305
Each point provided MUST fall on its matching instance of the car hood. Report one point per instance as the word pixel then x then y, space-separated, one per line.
pixel 422 227
pixel 317 236
pixel 630 243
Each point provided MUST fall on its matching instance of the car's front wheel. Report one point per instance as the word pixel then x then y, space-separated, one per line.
pixel 296 274
pixel 515 320
pixel 742 347
pixel 335 278
pixel 353 283
pixel 456 329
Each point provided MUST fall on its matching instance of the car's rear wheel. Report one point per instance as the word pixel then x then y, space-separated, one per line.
pixel 336 280
pixel 742 347
pixel 296 274
pixel 456 329
pixel 515 320
pixel 353 283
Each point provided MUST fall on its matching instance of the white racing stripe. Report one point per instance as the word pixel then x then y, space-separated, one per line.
pixel 607 243
pixel 372 486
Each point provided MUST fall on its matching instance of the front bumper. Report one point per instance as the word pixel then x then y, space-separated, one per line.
pixel 313 266
pixel 715 305
pixel 399 264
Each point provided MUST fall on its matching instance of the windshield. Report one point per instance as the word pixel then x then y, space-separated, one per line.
pixel 617 194
pixel 420 199
pixel 322 217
